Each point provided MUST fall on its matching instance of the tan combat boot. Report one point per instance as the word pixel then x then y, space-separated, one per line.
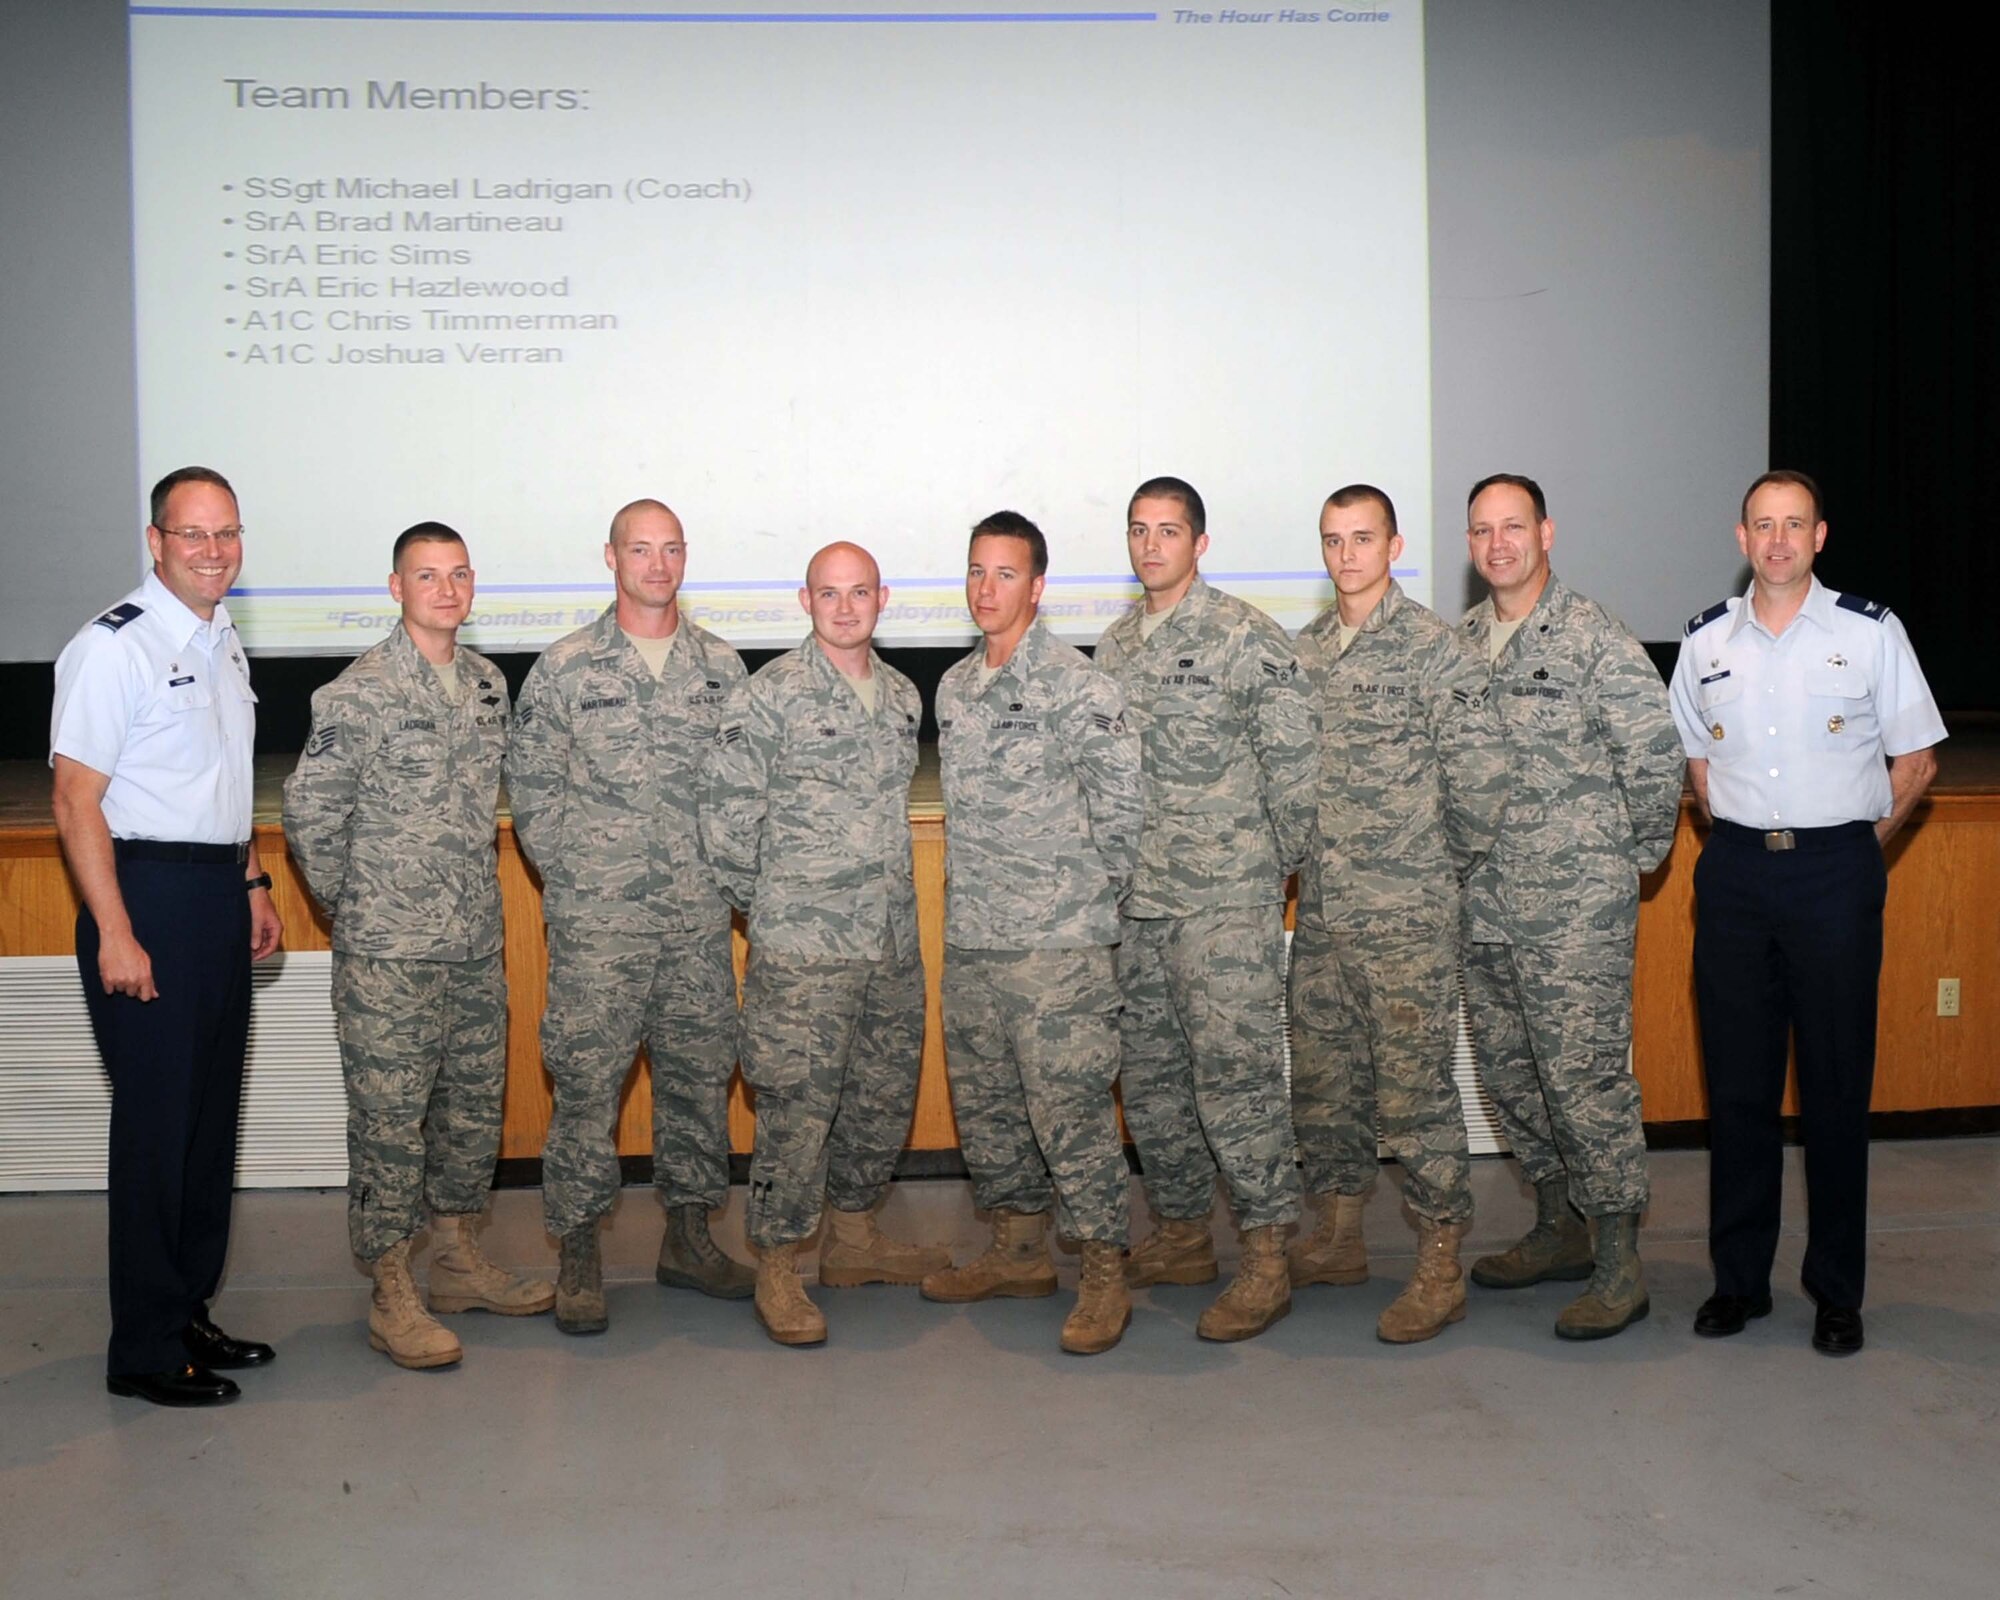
pixel 691 1259
pixel 398 1324
pixel 1259 1294
pixel 1616 1296
pixel 580 1306
pixel 788 1316
pixel 1176 1251
pixel 1333 1252
pixel 1556 1247
pixel 1435 1295
pixel 1015 1265
pixel 463 1279
pixel 1103 1302
pixel 856 1251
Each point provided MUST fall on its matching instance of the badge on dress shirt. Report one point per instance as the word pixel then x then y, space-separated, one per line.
pixel 1836 660
pixel 1835 723
pixel 1716 730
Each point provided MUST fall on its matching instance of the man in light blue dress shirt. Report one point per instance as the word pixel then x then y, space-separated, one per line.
pixel 151 741
pixel 1788 700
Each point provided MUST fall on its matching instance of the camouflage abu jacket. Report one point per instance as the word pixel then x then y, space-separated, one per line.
pixel 805 812
pixel 605 770
pixel 390 812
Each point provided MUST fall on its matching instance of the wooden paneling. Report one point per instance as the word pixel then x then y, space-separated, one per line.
pixel 1943 921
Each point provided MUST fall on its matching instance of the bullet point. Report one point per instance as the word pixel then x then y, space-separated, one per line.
pixel 229 255
pixel 229 188
pixel 230 353
pixel 228 221
pixel 230 320
pixel 229 286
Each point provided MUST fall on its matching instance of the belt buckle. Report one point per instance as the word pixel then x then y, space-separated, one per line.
pixel 1781 839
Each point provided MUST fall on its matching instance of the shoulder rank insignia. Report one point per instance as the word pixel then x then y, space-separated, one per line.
pixel 118 616
pixel 1874 610
pixel 1702 619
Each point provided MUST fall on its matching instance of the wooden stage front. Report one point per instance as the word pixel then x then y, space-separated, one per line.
pixel 1944 902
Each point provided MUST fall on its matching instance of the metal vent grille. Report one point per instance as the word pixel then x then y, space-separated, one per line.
pixel 55 1101
pixel 1482 1117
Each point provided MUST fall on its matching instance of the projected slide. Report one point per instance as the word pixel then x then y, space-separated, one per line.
pixel 803 273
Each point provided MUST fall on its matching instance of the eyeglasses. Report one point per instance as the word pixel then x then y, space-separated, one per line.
pixel 195 538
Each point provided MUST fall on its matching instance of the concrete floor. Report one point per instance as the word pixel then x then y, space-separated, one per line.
pixel 941 1450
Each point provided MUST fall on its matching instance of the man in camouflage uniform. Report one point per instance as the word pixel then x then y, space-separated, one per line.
pixel 805 818
pixel 615 722
pixel 1413 772
pixel 1043 812
pixel 1552 912
pixel 1231 741
pixel 390 815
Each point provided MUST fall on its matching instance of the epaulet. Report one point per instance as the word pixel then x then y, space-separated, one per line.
pixel 118 616
pixel 1702 619
pixel 1874 610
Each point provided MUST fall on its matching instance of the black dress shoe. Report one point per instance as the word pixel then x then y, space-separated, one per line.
pixel 1723 1314
pixel 1836 1330
pixel 183 1386
pixel 208 1346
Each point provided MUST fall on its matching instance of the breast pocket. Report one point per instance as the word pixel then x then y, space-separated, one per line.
pixel 1840 712
pixel 610 733
pixel 1546 715
pixel 187 699
pixel 414 757
pixel 1724 716
pixel 820 766
pixel 1375 719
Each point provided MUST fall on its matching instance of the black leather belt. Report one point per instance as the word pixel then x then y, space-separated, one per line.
pixel 1793 838
pixel 176 850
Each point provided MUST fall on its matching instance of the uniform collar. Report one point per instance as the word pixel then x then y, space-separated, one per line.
pixel 415 667
pixel 1817 609
pixel 1385 608
pixel 1189 610
pixel 177 618
pixel 606 637
pixel 609 646
pixel 1549 606
pixel 1028 652
pixel 820 665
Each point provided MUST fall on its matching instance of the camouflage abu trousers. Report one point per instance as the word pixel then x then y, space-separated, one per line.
pixel 1373 1024
pixel 1552 1027
pixel 832 1050
pixel 423 1051
pixel 1202 1059
pixel 1032 1040
pixel 611 990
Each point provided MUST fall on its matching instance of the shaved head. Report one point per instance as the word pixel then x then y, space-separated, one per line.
pixel 843 595
pixel 622 519
pixel 837 562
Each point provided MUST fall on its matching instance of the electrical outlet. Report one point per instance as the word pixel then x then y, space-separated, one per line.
pixel 1947 997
